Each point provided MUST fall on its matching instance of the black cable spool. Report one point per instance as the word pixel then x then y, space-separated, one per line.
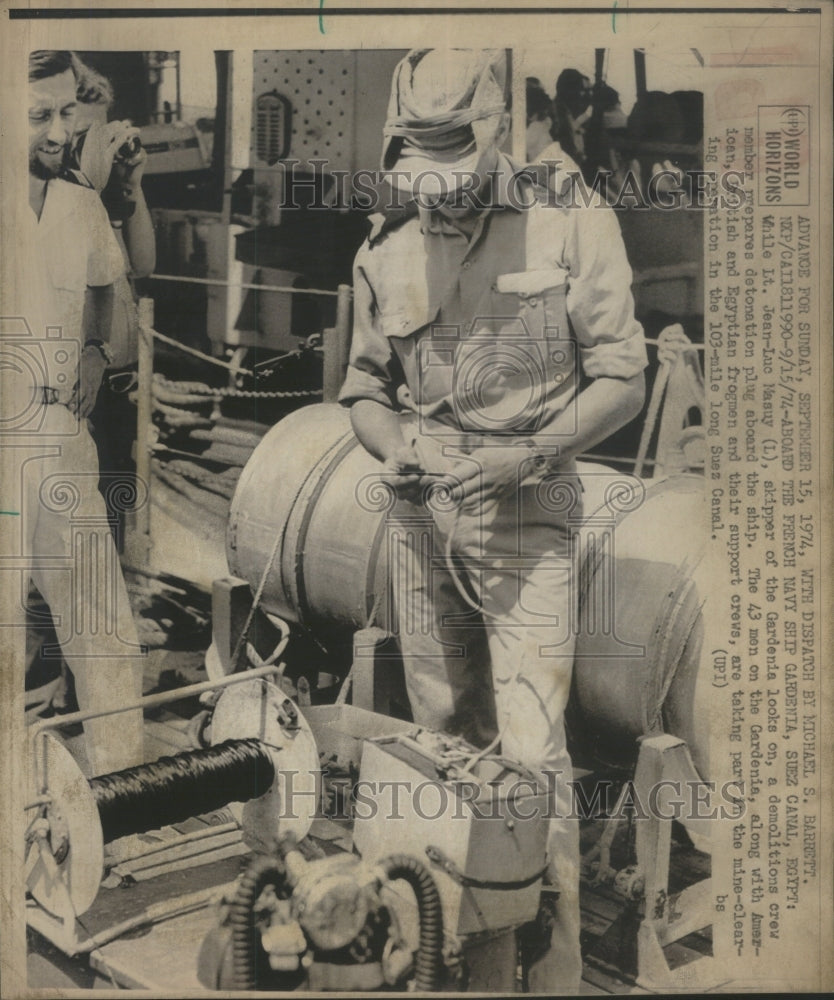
pixel 173 789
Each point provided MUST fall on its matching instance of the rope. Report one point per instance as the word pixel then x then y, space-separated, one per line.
pixel 199 354
pixel 242 284
pixel 213 482
pixel 173 789
pixel 480 754
pixel 451 569
pixel 213 503
pixel 199 389
pixel 180 417
pixel 651 416
pixel 279 535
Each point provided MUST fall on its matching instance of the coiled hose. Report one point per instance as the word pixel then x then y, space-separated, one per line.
pixel 428 963
pixel 246 941
pixel 263 871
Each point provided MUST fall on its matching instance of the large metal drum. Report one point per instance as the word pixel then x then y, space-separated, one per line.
pixel 309 485
pixel 310 489
pixel 640 663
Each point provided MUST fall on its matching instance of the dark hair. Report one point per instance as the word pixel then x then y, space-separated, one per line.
pixel 44 63
pixel 608 98
pixel 656 117
pixel 539 105
pixel 569 81
pixel 91 86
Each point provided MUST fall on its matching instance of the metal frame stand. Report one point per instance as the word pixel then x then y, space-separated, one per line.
pixel 664 919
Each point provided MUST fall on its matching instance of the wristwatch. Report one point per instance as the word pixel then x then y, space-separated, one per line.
pixel 540 462
pixel 102 348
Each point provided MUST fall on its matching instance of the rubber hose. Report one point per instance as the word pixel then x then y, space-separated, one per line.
pixel 428 964
pixel 261 872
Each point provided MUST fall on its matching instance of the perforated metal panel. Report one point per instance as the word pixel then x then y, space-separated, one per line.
pixel 320 87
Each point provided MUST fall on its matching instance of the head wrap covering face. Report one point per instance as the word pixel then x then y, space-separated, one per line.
pixel 444 110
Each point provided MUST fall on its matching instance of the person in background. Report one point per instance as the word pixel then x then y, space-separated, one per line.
pixel 542 148
pixel 573 109
pixel 604 133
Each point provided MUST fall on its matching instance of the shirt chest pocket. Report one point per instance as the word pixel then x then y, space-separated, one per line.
pixel 532 303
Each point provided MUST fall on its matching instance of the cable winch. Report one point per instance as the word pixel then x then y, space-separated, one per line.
pixel 412 905
pixel 260 741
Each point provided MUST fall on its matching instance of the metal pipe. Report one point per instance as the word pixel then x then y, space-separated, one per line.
pixel 651 416
pixel 164 910
pixel 37 802
pixel 144 419
pixel 640 72
pixel 331 374
pixel 519 99
pixel 184 838
pixel 152 700
pixel 187 279
pixel 337 346
pixel 201 355
pixel 343 309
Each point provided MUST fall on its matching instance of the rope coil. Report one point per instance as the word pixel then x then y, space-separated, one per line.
pixel 198 389
pixel 173 789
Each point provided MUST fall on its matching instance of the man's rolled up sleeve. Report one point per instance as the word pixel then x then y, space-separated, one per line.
pixel 369 373
pixel 599 301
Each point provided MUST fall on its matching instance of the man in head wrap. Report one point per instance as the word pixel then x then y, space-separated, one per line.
pixel 476 310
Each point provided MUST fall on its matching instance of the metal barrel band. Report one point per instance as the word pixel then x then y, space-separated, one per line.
pixel 436 856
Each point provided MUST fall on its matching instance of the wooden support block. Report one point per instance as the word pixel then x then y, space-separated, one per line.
pixel 231 600
pixel 373 668
pixel 665 920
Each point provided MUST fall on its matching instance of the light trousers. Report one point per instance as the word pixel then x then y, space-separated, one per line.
pixel 73 561
pixel 503 666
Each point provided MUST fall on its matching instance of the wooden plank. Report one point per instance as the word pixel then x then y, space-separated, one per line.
pixel 150 962
pixel 587 988
pixel 688 912
pixel 607 980
pixel 593 924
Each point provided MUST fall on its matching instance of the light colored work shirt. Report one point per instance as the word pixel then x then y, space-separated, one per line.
pixel 489 333
pixel 70 248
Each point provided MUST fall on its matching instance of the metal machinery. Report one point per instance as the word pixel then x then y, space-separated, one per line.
pixel 292 913
pixel 307 536
pixel 375 904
